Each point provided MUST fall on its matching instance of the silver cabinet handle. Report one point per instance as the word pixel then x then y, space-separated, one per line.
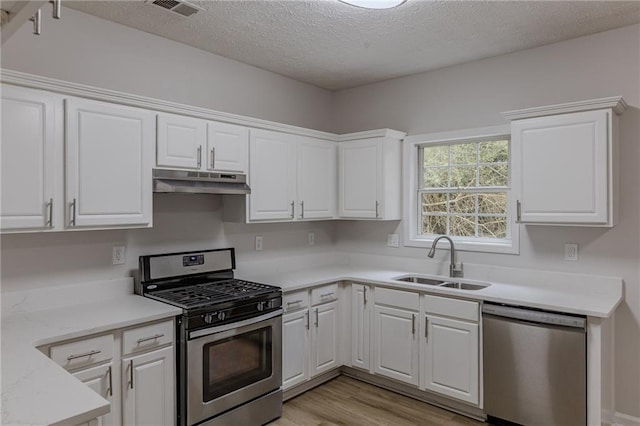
pixel 292 209
pixel 110 390
pixel 377 208
pixel 199 156
pixel 213 158
pixel 295 302
pixel 50 213
pixel 322 296
pixel 316 324
pixel 154 337
pixel 426 328
pixel 37 22
pixel 301 209
pixel 56 8
pixel 306 315
pixel 131 374
pixel 90 353
pixel 72 222
pixel 413 324
pixel 518 211
pixel 365 294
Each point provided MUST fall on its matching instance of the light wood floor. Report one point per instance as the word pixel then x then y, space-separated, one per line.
pixel 345 401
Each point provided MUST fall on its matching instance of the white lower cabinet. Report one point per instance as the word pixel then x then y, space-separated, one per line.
pixel 452 348
pixel 295 356
pixel 148 388
pixel 324 338
pixel 396 347
pixel 100 380
pixel 360 326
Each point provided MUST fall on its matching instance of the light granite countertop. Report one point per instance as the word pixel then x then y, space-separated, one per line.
pixel 35 390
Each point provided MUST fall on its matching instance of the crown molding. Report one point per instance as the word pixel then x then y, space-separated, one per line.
pixel 384 133
pixel 616 103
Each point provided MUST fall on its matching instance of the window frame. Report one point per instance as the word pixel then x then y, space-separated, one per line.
pixel 411 187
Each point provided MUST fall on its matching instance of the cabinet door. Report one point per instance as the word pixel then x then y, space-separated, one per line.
pixel 396 350
pixel 29 140
pixel 272 175
pixel 227 147
pixel 563 172
pixel 295 344
pixel 360 170
pixel 452 358
pixel 148 384
pixel 181 141
pixel 316 178
pixel 100 379
pixel 109 157
pixel 324 338
pixel 360 326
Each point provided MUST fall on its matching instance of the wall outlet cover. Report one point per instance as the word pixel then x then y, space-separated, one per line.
pixel 258 242
pixel 118 255
pixel 571 252
pixel 311 238
pixel 393 240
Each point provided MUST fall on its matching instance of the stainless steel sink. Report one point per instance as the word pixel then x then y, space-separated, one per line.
pixel 464 286
pixel 421 280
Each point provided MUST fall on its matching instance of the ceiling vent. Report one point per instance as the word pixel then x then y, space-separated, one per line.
pixel 180 7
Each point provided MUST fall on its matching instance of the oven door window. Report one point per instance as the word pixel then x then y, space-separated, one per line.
pixel 236 362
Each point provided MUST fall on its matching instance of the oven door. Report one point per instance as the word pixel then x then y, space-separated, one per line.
pixel 232 364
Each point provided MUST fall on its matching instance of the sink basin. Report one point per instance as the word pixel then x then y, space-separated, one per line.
pixel 420 280
pixel 464 286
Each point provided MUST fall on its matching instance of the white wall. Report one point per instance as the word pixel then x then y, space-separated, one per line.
pixel 84 49
pixel 473 95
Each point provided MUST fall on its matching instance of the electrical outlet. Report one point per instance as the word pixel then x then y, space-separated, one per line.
pixel 393 240
pixel 258 242
pixel 311 238
pixel 118 255
pixel 571 252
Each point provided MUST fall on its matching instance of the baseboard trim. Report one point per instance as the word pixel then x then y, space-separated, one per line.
pixel 316 381
pixel 621 419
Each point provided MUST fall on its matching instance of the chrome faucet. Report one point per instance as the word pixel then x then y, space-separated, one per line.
pixel 453 271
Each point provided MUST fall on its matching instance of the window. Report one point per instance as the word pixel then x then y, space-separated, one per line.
pixel 460 186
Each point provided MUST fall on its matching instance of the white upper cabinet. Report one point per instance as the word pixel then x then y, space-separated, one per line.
pixel 369 176
pixel 564 165
pixel 316 178
pixel 181 141
pixel 30 171
pixel 109 157
pixel 272 175
pixel 227 147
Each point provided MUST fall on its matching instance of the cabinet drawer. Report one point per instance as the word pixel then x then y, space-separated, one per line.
pixel 327 293
pixel 296 300
pixel 83 352
pixel 147 337
pixel 455 308
pixel 397 298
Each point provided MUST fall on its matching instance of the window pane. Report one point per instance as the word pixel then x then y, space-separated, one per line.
pixel 494 151
pixel 463 226
pixel 436 155
pixel 492 227
pixel 463 153
pixel 434 225
pixel 436 177
pixel 463 177
pixel 492 203
pixel 434 202
pixel 494 175
pixel 462 202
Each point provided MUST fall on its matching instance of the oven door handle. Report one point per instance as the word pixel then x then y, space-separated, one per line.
pixel 234 325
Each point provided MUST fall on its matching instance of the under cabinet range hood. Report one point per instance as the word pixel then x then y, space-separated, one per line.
pixel 165 180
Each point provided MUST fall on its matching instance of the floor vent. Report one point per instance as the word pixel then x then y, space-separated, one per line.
pixel 180 7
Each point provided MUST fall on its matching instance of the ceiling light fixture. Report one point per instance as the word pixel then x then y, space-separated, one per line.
pixel 374 4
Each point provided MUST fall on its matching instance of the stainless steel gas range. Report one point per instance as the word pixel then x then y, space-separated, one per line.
pixel 229 356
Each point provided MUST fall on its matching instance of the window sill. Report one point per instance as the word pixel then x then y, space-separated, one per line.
pixel 507 247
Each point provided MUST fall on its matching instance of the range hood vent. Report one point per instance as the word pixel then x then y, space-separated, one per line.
pixel 165 180
pixel 180 7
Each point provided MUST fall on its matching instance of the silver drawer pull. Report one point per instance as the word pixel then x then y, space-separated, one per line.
pixel 327 295
pixel 295 302
pixel 154 337
pixel 90 353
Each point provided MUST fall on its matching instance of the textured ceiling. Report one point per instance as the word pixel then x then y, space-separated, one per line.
pixel 335 46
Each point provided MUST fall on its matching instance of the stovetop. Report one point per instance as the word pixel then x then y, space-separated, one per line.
pixel 212 293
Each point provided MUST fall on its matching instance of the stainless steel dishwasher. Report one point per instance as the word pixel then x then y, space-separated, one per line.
pixel 535 366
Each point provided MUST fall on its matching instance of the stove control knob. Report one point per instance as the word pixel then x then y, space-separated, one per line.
pixel 260 306
pixel 208 318
pixel 222 315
